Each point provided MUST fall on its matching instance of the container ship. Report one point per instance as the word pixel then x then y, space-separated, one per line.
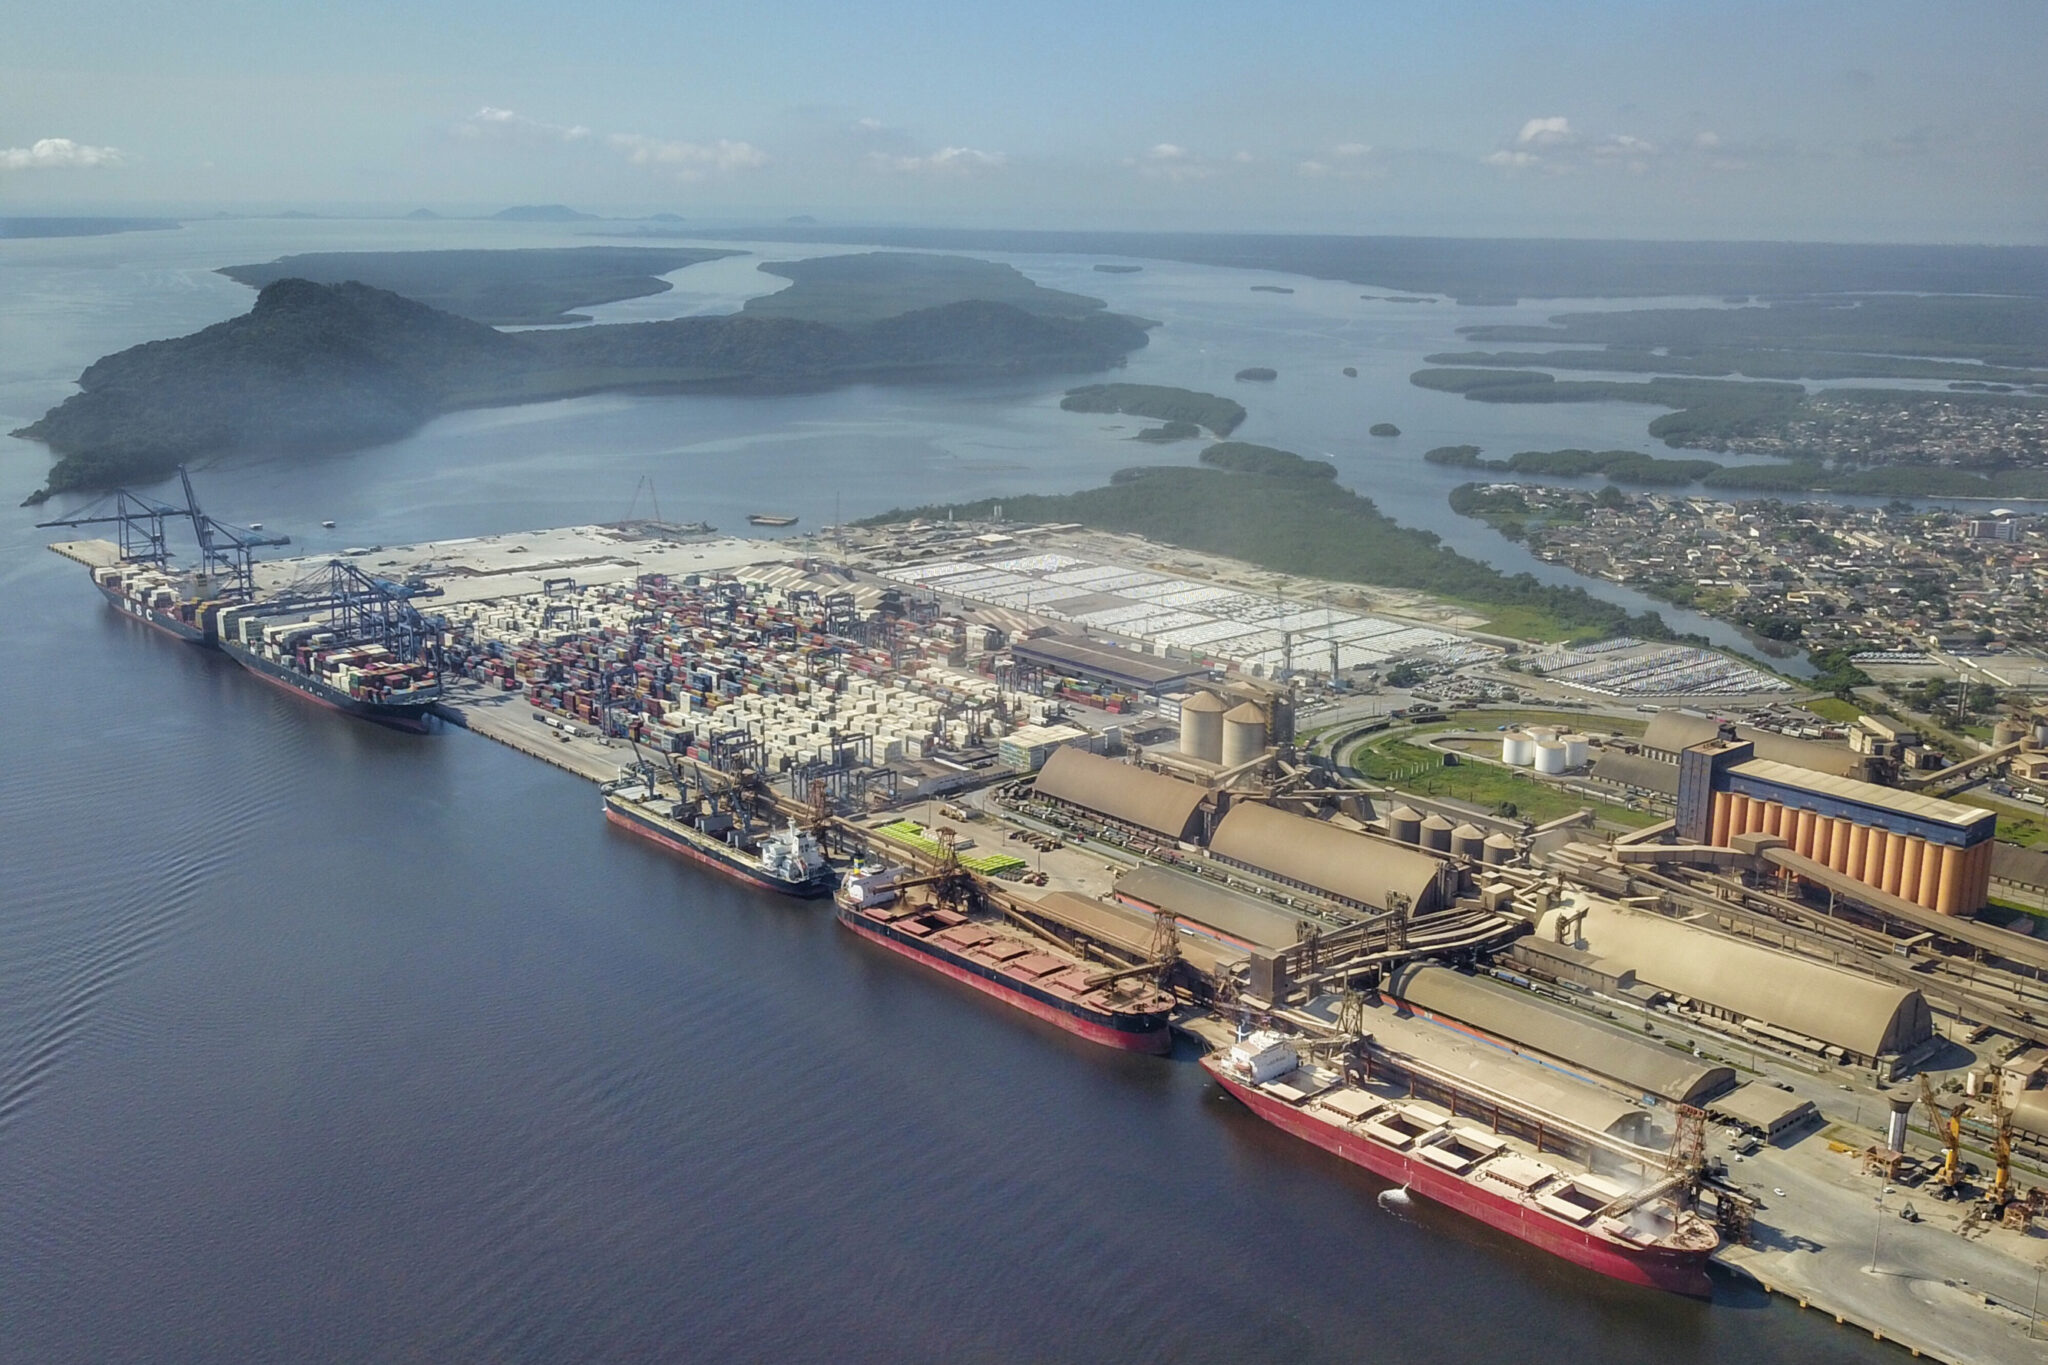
pixel 787 860
pixel 173 603
pixel 1642 1236
pixel 998 961
pixel 308 659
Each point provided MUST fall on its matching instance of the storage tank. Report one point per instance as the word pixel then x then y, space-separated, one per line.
pixel 1201 727
pixel 1500 850
pixel 1550 756
pixel 2041 734
pixel 1518 747
pixel 1576 751
pixel 1244 734
pixel 1436 833
pixel 1405 824
pixel 2004 733
pixel 1468 841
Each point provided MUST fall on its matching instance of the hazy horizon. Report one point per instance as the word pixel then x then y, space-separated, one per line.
pixel 1872 122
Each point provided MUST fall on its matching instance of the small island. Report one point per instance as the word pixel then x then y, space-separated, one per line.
pixel 1271 289
pixel 1351 372
pixel 1258 374
pixel 1118 269
pixel 542 213
pixel 1384 429
pixel 1245 458
pixel 1175 407
pixel 1168 432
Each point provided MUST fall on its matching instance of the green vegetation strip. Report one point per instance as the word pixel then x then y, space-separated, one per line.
pixel 988 864
pixel 1160 403
pixel 1484 785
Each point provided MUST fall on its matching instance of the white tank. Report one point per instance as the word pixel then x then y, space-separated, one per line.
pixel 1244 734
pixel 1436 833
pixel 1201 727
pixel 1550 755
pixel 1576 751
pixel 1517 748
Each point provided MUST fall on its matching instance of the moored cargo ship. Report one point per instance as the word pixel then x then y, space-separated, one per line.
pixel 308 659
pixel 1130 1015
pixel 1592 1220
pixel 788 860
pixel 169 602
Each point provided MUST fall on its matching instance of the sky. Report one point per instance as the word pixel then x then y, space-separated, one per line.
pixel 1871 121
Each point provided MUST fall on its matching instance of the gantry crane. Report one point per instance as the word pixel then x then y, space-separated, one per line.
pixel 225 550
pixel 140 519
pixel 1948 1126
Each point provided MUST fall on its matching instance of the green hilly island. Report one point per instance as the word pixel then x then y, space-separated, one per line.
pixel 321 367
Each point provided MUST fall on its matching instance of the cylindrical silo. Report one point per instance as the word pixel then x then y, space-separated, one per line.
pixel 1517 748
pixel 1895 1122
pixel 1436 833
pixel 1244 734
pixel 1201 727
pixel 1549 756
pixel 1717 829
pixel 1576 751
pixel 1499 849
pixel 2004 733
pixel 2041 734
pixel 1405 824
pixel 1468 841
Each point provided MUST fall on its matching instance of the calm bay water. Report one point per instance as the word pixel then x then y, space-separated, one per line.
pixel 322 1043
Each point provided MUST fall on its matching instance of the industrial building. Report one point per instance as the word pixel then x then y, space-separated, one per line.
pixel 1102 787
pixel 1935 854
pixel 1353 869
pixel 1671 733
pixel 1094 659
pixel 1206 908
pixel 1795 1001
pixel 1521 1022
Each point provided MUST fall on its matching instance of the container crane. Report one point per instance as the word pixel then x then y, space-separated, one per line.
pixel 140 519
pixel 225 550
pixel 360 609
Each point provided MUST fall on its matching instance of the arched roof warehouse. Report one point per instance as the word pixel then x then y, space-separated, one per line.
pixel 1310 853
pixel 1515 1016
pixel 1127 794
pixel 1867 1018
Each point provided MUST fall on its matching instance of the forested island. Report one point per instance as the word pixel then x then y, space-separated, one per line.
pixel 871 286
pixel 1259 374
pixel 512 287
pixel 316 367
pixel 1307 524
pixel 1383 429
pixel 1175 407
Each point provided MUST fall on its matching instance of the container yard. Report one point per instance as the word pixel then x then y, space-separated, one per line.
pixel 1115 833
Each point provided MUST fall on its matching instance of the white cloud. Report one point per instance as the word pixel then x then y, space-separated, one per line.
pixel 945 161
pixel 1346 161
pixel 1544 132
pixel 506 125
pixel 1171 161
pixel 57 153
pixel 1512 160
pixel 1352 150
pixel 1707 142
pixel 688 160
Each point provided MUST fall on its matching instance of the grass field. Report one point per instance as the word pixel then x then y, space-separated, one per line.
pixel 1485 785
pixel 1835 709
pixel 2028 831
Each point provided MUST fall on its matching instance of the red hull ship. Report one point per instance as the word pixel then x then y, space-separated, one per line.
pixel 1588 1220
pixel 1131 1016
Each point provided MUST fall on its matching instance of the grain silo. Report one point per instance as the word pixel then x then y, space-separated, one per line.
pixel 1244 734
pixel 1468 841
pixel 1436 833
pixel 1500 849
pixel 1405 824
pixel 1201 727
pixel 1550 756
pixel 1518 748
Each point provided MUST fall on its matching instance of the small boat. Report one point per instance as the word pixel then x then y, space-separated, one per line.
pixel 328 524
pixel 255 525
pixel 763 519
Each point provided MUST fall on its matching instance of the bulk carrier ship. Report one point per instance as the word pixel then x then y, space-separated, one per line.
pixel 1644 1236
pixel 788 860
pixel 999 961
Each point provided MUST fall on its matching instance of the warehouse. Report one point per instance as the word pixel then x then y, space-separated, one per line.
pixel 1936 854
pixel 1789 999
pixel 1116 791
pixel 1209 909
pixel 1768 1112
pixel 1519 1021
pixel 1352 868
pixel 1671 733
pixel 1093 659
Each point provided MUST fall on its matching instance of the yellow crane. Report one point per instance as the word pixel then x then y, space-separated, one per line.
pixel 1948 1126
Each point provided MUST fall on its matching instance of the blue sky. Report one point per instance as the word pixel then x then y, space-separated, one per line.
pixel 1868 121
